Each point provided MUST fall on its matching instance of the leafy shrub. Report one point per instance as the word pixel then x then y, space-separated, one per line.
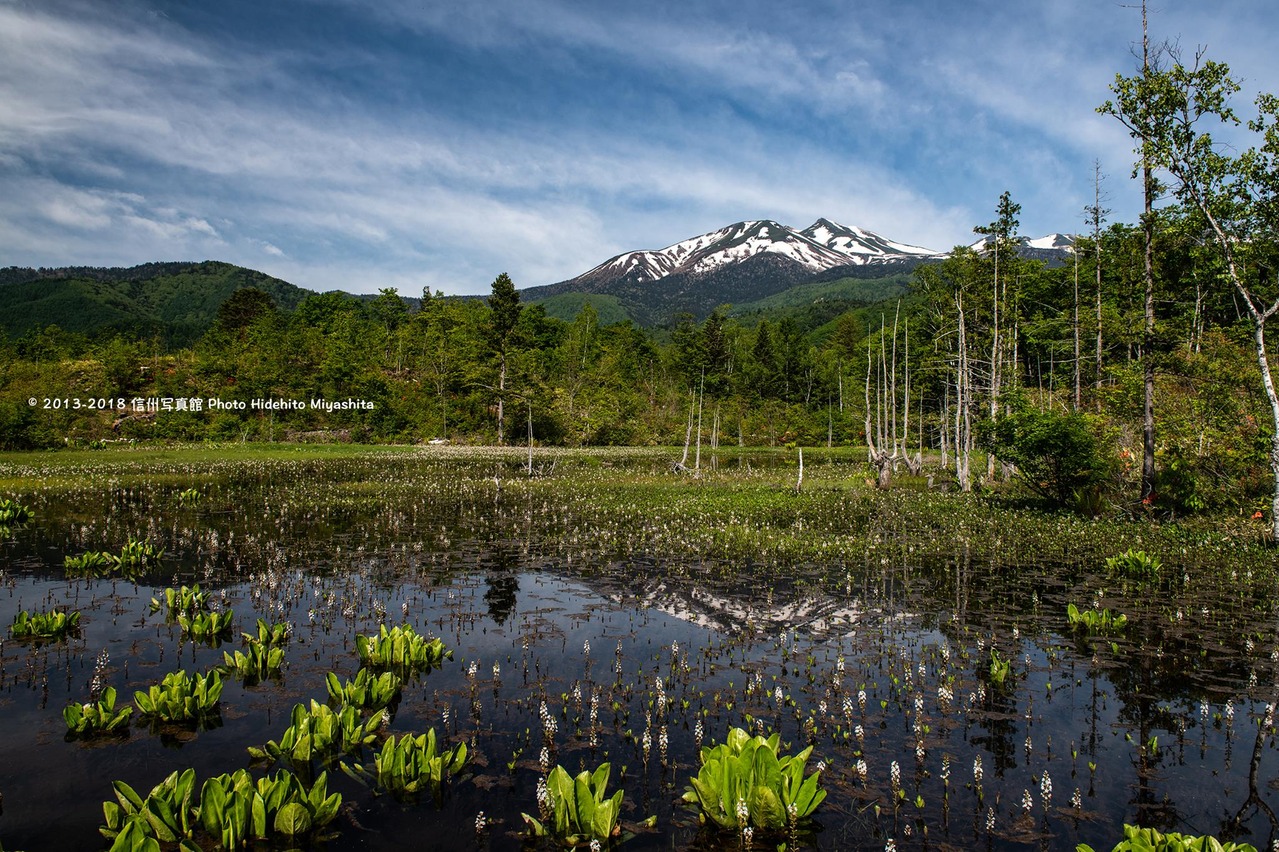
pixel 1057 455
pixel 744 781
pixel 44 625
pixel 1151 840
pixel 1177 484
pixel 99 717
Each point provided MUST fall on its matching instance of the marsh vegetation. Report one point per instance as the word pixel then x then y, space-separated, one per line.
pixel 435 636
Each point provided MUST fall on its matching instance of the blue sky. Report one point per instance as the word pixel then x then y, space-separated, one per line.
pixel 360 144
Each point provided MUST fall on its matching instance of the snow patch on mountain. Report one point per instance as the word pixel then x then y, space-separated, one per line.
pixel 821 246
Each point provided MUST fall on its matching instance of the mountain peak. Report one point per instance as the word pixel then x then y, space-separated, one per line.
pixel 821 246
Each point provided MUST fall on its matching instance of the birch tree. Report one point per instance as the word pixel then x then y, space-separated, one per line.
pixel 1237 196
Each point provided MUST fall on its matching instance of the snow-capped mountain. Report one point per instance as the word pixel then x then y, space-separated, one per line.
pixel 749 261
pixel 821 246
pixel 861 245
pixel 1047 247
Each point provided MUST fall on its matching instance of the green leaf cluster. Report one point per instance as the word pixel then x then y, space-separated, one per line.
pixel 257 662
pixel 190 497
pixel 166 815
pixel 1135 563
pixel 181 697
pixel 1138 839
pixel 98 717
pixel 44 625
pixel 1057 455
pixel 13 512
pixel 411 764
pixel 270 635
pixel 1096 621
pixel 318 732
pixel 401 649
pixel 578 809
pixel 1000 670
pixel 237 810
pixel 184 601
pixel 132 559
pixel 366 691
pixel 210 627
pixel 90 563
pixel 137 554
pixel 746 776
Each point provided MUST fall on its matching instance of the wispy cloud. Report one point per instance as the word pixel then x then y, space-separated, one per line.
pixel 360 144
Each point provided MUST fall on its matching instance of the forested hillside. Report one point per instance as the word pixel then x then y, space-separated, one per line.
pixel 1044 365
pixel 173 302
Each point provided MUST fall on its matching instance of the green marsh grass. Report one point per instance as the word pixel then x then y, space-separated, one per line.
pixel 856 622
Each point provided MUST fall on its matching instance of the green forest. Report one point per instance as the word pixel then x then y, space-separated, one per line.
pixel 1136 375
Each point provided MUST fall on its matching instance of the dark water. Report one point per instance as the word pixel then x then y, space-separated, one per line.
pixel 1173 716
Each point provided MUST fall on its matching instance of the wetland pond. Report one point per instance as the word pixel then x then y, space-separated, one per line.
pixel 584 628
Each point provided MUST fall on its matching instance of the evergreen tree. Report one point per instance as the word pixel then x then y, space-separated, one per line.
pixel 504 314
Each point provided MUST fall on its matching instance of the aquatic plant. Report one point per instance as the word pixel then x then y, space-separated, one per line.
pixel 190 497
pixel 44 625
pixel 411 764
pixel 575 811
pixel 258 661
pixel 745 782
pixel 318 732
pixel 91 562
pixel 402 649
pixel 1000 670
pixel 206 626
pixel 137 553
pixel 1096 621
pixel 181 697
pixel 237 810
pixel 13 512
pixel 1135 563
pixel 184 601
pixel 1137 839
pixel 165 815
pixel 270 635
pixel 132 559
pixel 366 691
pixel 97 717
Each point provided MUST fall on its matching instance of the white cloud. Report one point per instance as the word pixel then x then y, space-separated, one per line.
pixel 124 138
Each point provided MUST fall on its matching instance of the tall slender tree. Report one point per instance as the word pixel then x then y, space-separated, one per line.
pixel 505 308
pixel 1139 110
pixel 1003 234
pixel 1237 196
